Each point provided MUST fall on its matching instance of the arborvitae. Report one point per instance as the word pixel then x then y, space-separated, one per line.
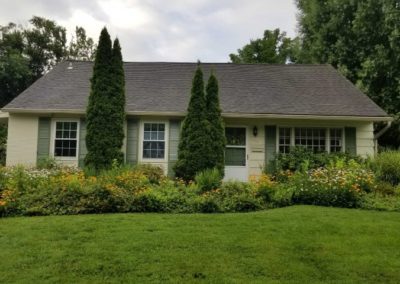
pixel 104 114
pixel 216 135
pixel 193 145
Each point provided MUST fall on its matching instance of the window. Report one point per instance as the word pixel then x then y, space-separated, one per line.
pixel 335 139
pixel 235 151
pixel 66 141
pixel 154 141
pixel 284 140
pixel 315 139
pixel 311 138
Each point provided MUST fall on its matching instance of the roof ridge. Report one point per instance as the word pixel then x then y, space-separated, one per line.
pixel 212 63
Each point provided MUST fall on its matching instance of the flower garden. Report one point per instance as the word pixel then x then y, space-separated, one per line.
pixel 339 182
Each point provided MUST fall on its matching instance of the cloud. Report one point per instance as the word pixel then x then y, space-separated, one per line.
pixel 157 30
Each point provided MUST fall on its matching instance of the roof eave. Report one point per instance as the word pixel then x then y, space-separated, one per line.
pixel 224 114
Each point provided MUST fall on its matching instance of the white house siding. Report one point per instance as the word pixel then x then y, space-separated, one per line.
pixel 365 139
pixel 22 140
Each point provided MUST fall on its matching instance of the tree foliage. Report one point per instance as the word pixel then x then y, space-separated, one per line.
pixel 273 47
pixel 216 134
pixel 81 46
pixel 361 38
pixel 105 110
pixel 26 53
pixel 194 149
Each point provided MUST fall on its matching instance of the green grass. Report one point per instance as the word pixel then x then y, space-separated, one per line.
pixel 302 244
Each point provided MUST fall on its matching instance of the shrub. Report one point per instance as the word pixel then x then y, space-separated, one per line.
pixel 47 163
pixel 387 166
pixel 301 158
pixel 340 184
pixel 208 180
pixel 154 173
pixel 265 186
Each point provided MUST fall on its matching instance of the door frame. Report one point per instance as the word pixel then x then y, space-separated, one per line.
pixel 246 168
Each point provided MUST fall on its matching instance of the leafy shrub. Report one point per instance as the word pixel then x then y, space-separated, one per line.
pixel 154 173
pixel 208 180
pixel 301 158
pixel 387 166
pixel 382 202
pixel 340 184
pixel 265 187
pixel 47 163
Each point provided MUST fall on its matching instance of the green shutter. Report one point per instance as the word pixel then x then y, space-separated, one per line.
pixel 270 145
pixel 132 141
pixel 43 147
pixel 350 140
pixel 82 143
pixel 174 130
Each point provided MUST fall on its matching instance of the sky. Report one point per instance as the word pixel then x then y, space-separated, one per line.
pixel 164 30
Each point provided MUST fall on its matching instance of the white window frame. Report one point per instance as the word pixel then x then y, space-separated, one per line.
pixel 53 138
pixel 327 135
pixel 141 140
pixel 235 146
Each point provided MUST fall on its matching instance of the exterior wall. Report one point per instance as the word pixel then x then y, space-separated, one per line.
pixel 22 140
pixel 256 144
pixel 365 139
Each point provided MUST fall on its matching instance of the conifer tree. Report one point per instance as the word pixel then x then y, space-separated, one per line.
pixel 216 135
pixel 104 112
pixel 193 145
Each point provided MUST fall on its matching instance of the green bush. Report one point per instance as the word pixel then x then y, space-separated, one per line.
pixel 387 166
pixel 47 163
pixel 208 180
pixel 301 158
pixel 340 184
pixel 154 173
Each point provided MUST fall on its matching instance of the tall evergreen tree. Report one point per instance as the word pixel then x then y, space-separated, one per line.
pixel 193 147
pixel 216 133
pixel 104 135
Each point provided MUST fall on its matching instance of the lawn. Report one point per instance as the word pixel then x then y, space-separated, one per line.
pixel 302 244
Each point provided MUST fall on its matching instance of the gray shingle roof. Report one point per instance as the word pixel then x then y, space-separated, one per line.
pixel 244 89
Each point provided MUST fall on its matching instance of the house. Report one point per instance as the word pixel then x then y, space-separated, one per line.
pixel 266 109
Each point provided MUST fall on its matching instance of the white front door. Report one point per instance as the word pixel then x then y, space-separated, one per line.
pixel 235 154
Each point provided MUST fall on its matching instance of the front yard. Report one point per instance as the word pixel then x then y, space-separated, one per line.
pixel 304 244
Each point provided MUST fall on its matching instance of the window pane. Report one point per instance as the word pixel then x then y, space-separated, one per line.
pixel 235 136
pixel 147 127
pixel 153 150
pixel 153 135
pixel 235 156
pixel 153 127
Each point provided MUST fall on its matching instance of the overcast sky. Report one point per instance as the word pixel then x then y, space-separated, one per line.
pixel 164 30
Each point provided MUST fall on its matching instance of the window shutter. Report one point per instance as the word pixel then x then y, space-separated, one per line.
pixel 350 140
pixel 132 141
pixel 270 145
pixel 43 147
pixel 82 143
pixel 174 131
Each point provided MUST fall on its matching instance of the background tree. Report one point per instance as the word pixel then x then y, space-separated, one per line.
pixel 273 47
pixel 103 115
pixel 193 148
pixel 361 38
pixel 81 46
pixel 216 134
pixel 26 53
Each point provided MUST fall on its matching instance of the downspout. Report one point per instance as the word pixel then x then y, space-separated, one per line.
pixel 379 134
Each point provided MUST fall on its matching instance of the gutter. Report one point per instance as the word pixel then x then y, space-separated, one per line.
pixel 379 134
pixel 224 114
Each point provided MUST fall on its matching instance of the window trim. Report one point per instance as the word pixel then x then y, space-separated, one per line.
pixel 327 135
pixel 53 138
pixel 141 140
